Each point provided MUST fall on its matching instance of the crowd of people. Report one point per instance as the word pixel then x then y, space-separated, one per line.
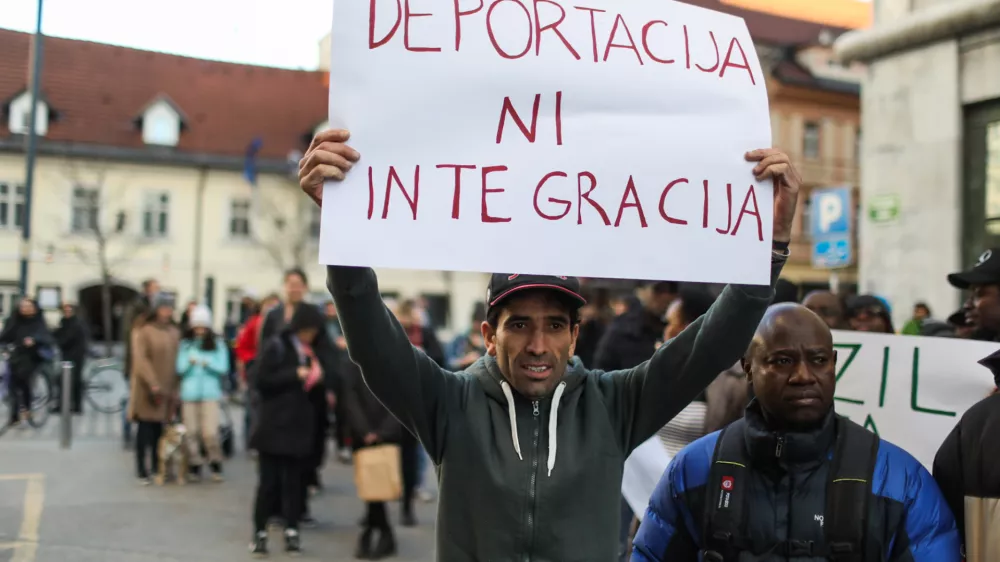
pixel 529 415
pixel 739 384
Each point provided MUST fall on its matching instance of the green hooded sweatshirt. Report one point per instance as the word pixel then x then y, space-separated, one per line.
pixel 535 481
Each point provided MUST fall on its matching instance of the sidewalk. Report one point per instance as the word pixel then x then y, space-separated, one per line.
pixel 84 505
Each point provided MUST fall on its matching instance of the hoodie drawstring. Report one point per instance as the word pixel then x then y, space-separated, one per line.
pixel 513 417
pixel 553 423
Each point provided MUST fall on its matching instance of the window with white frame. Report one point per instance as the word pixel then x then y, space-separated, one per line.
pixel 239 218
pixel 156 215
pixel 810 140
pixel 85 210
pixel 315 221
pixel 161 125
pixel 11 206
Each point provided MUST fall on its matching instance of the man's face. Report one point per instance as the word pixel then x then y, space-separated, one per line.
pixel 827 306
pixel 533 342
pixel 984 307
pixel 675 320
pixel 331 310
pixel 295 288
pixel 152 288
pixel 865 320
pixel 921 313
pixel 792 368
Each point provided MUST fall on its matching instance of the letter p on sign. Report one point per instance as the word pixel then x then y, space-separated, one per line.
pixel 831 208
pixel 830 212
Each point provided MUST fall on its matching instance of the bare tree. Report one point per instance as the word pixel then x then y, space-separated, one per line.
pixel 287 235
pixel 99 218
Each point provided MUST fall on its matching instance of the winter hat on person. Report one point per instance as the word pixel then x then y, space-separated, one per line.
pixel 201 317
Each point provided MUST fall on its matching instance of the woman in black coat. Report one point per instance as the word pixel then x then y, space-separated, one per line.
pixel 370 424
pixel 289 376
pixel 72 337
pixel 25 331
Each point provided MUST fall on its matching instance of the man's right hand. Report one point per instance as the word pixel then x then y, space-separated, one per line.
pixel 303 373
pixel 328 158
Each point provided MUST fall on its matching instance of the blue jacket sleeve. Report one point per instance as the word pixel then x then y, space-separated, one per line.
pixel 668 531
pixel 929 532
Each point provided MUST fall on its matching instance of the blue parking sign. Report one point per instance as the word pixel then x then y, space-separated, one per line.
pixel 830 221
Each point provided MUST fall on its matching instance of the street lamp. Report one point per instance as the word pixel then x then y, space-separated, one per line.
pixel 29 176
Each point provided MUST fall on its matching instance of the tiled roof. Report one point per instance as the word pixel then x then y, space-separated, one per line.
pixel 98 91
pixel 772 29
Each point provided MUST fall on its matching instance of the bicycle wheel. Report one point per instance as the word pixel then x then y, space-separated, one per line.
pixel 105 388
pixel 41 395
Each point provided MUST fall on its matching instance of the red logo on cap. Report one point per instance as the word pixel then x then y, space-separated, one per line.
pixel 727 483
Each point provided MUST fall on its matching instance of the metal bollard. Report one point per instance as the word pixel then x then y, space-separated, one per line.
pixel 66 420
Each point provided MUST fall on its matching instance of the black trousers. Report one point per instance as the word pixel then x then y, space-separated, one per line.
pixel 377 517
pixel 147 440
pixel 20 395
pixel 279 490
pixel 409 449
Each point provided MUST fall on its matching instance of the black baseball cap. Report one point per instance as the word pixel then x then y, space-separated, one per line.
pixel 503 285
pixel 985 272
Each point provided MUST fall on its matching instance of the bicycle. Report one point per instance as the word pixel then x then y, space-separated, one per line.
pixel 104 385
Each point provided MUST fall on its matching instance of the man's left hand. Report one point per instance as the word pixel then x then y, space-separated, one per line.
pixel 774 164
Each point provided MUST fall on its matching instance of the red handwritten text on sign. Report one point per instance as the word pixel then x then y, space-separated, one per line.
pixel 543 19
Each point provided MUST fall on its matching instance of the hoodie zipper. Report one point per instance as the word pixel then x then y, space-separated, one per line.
pixel 533 484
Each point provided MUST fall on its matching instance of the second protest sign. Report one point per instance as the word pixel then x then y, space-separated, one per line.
pixel 548 137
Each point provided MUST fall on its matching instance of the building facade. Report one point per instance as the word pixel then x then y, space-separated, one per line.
pixel 143 172
pixel 931 155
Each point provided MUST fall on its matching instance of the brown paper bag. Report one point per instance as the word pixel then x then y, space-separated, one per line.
pixel 377 473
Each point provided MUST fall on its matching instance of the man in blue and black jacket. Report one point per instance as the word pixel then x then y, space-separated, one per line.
pixel 793 480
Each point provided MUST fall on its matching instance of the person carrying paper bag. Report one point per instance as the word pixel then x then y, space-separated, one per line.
pixel 374 432
pixel 528 443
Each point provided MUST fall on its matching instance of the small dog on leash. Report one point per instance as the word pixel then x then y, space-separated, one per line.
pixel 173 452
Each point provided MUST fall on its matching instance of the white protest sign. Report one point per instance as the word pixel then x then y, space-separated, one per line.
pixel 588 138
pixel 910 390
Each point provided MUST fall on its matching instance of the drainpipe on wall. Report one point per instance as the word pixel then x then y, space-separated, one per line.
pixel 199 212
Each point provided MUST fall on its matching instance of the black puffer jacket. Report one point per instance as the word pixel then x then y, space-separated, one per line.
pixel 967 468
pixel 286 423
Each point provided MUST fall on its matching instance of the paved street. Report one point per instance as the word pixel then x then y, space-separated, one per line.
pixel 84 505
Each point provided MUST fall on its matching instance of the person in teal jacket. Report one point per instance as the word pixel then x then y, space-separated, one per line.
pixel 202 363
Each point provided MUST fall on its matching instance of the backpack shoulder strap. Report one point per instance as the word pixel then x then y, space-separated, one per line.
pixel 725 497
pixel 849 491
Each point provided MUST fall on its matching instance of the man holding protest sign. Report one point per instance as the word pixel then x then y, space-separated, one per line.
pixel 793 480
pixel 529 444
